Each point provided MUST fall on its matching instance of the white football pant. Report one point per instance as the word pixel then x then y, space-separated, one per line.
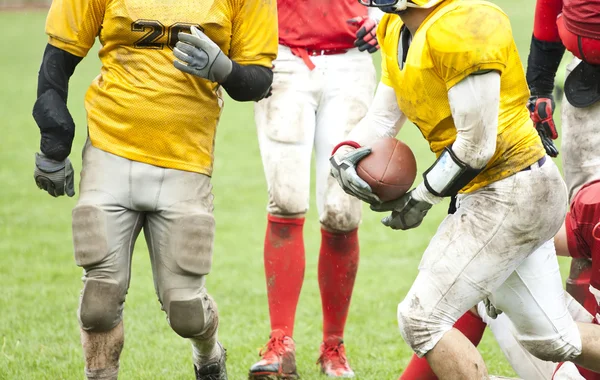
pixel 312 110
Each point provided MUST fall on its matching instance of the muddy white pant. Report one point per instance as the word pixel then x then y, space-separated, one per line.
pixel 312 109
pixel 580 145
pixel 526 365
pixel 119 198
pixel 497 245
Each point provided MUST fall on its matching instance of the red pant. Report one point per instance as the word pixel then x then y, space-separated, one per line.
pixel 585 48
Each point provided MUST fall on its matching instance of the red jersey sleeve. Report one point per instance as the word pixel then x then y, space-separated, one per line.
pixel 544 25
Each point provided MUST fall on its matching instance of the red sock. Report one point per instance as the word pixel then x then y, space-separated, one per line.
pixel 284 270
pixel 578 283
pixel 338 263
pixel 469 324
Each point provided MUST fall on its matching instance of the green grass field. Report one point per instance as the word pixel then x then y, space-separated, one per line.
pixel 40 284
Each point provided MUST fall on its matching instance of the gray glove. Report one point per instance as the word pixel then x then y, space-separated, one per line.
pixel 55 177
pixel 491 310
pixel 343 168
pixel 407 212
pixel 201 56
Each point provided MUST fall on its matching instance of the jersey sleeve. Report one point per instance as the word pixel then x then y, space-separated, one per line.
pixel 384 49
pixel 544 24
pixel 254 33
pixel 72 25
pixel 470 39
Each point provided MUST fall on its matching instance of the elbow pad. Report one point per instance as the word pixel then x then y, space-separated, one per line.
pixel 448 175
pixel 56 125
pixel 248 83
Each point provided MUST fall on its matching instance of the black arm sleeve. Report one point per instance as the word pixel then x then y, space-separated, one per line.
pixel 544 59
pixel 50 111
pixel 248 83
pixel 57 67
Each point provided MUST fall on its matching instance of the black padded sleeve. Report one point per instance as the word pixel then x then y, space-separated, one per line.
pixel 50 111
pixel 544 59
pixel 248 83
pixel 57 67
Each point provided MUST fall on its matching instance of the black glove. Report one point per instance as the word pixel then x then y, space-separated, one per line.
pixel 55 177
pixel 541 109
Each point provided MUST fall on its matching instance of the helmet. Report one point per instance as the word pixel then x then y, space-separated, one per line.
pixel 399 5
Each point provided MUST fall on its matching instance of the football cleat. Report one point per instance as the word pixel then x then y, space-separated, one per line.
pixel 333 360
pixel 214 370
pixel 278 359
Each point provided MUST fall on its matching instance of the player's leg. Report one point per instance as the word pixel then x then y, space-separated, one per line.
pixel 285 125
pixel 533 299
pixel 580 140
pixel 180 236
pixel 104 231
pixel 348 93
pixel 472 253
pixel 470 325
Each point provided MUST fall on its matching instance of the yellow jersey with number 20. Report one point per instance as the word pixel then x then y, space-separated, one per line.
pixel 140 106
pixel 458 39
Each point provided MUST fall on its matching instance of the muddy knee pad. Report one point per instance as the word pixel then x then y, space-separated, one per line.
pixel 420 330
pixel 191 317
pixel 101 305
pixel 557 347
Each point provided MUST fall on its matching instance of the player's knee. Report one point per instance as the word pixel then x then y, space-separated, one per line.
pixel 288 200
pixel 556 348
pixel 193 317
pixel 420 328
pixel 341 215
pixel 101 305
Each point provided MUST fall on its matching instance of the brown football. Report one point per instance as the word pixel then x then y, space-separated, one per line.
pixel 390 169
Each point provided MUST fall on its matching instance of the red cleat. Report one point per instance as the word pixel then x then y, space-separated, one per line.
pixel 278 359
pixel 333 360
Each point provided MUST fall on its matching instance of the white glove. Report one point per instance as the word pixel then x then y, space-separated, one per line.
pixel 201 56
pixel 343 168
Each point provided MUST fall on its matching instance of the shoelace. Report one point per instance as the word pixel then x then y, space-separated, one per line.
pixel 335 355
pixel 274 345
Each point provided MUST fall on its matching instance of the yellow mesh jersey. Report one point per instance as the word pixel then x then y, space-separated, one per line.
pixel 456 40
pixel 140 106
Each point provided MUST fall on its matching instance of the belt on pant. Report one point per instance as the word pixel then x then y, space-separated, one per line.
pixel 540 162
pixel 305 54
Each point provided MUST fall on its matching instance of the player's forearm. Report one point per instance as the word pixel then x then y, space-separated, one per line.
pixel 546 49
pixel 383 118
pixel 50 111
pixel 56 70
pixel 248 83
pixel 474 104
pixel 542 64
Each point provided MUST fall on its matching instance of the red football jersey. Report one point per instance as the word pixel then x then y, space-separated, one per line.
pixel 318 24
pixel 583 228
pixel 581 17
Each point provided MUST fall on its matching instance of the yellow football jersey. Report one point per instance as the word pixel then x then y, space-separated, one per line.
pixel 140 106
pixel 458 39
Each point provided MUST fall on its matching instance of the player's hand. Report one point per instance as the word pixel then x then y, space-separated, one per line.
pixel 407 212
pixel 343 169
pixel 55 177
pixel 491 310
pixel 200 56
pixel 366 35
pixel 540 111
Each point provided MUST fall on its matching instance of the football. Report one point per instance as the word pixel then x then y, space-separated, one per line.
pixel 390 169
